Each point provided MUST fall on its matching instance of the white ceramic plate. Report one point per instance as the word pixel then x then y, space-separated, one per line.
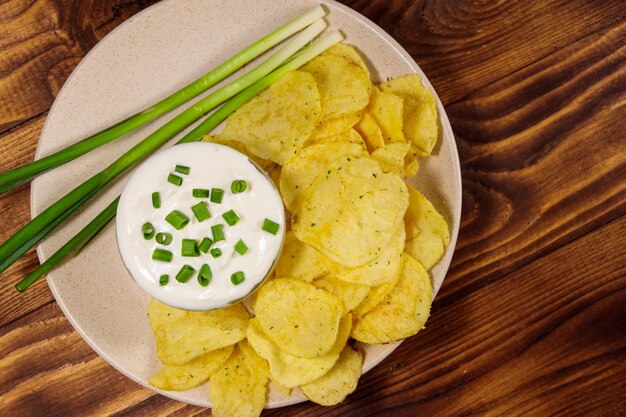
pixel 152 54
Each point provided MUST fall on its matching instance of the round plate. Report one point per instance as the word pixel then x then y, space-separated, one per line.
pixel 149 56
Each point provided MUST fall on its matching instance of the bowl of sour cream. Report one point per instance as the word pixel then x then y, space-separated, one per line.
pixel 199 226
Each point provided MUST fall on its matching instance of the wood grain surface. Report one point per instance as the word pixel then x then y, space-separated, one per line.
pixel 531 320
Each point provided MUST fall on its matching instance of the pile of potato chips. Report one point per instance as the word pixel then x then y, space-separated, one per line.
pixel 354 262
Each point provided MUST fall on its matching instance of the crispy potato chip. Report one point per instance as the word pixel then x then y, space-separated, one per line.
pixel 191 374
pixel 259 363
pixel 299 260
pixel 392 157
pixel 275 124
pixel 387 108
pixel 238 146
pixel 370 131
pixel 419 113
pixel 289 370
pixel 349 136
pixel 299 173
pixel 339 382
pixel 349 293
pixel 350 213
pixel 184 335
pixel 382 269
pixel 238 389
pixel 335 126
pixel 427 230
pixel 403 312
pixel 344 87
pixel 374 296
pixel 300 318
pixel 348 52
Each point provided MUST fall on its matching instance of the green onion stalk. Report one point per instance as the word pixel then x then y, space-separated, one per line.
pixel 17 176
pixel 82 238
pixel 14 246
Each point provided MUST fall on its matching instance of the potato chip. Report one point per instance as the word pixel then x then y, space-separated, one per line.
pixel 299 260
pixel 403 312
pixel 191 374
pixel 348 52
pixel 374 296
pixel 238 389
pixel 391 157
pixel 299 173
pixel 370 131
pixel 339 382
pixel 419 112
pixel 427 230
pixel 387 108
pixel 275 124
pixel 382 269
pixel 350 294
pixel 344 87
pixel 260 364
pixel 300 318
pixel 335 126
pixel 349 213
pixel 238 146
pixel 349 136
pixel 184 335
pixel 289 370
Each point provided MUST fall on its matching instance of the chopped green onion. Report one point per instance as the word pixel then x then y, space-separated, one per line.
pixel 205 245
pixel 216 195
pixel 231 217
pixel 205 275
pixel 241 247
pixel 238 186
pixel 181 169
pixel 164 238
pixel 177 219
pixel 162 255
pixel 201 210
pixel 218 232
pixel 156 200
pixel 216 252
pixel 148 231
pixel 185 273
pixel 200 193
pixel 164 279
pixel 190 248
pixel 237 278
pixel 270 226
pixel 175 179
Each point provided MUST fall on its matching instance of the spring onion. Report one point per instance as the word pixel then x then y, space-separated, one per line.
pixel 204 275
pixel 190 247
pixel 175 179
pixel 200 193
pixel 201 211
pixel 185 273
pixel 205 245
pixel 237 278
pixel 218 232
pixel 156 200
pixel 270 226
pixel 231 217
pixel 181 169
pixel 164 279
pixel 216 252
pixel 15 177
pixel 162 255
pixel 163 238
pixel 177 219
pixel 147 230
pixel 240 247
pixel 216 195
pixel 238 186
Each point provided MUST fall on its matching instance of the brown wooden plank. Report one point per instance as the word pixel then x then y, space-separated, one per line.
pixel 463 45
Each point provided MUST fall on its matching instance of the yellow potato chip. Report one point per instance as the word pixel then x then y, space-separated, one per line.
pixel 238 389
pixel 184 335
pixel 427 230
pixel 299 260
pixel 370 131
pixel 339 382
pixel 300 318
pixel 411 166
pixel 275 124
pixel 387 111
pixel 421 124
pixel 349 136
pixel 191 374
pixel 382 269
pixel 289 370
pixel 350 53
pixel 403 312
pixel 299 173
pixel 349 293
pixel 349 213
pixel 344 87
pixel 259 363
pixel 374 296
pixel 335 126
pixel 392 157
pixel 238 146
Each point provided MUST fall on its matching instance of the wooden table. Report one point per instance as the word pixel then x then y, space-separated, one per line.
pixel 531 319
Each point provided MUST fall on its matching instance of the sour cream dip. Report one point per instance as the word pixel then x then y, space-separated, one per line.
pixel 179 203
